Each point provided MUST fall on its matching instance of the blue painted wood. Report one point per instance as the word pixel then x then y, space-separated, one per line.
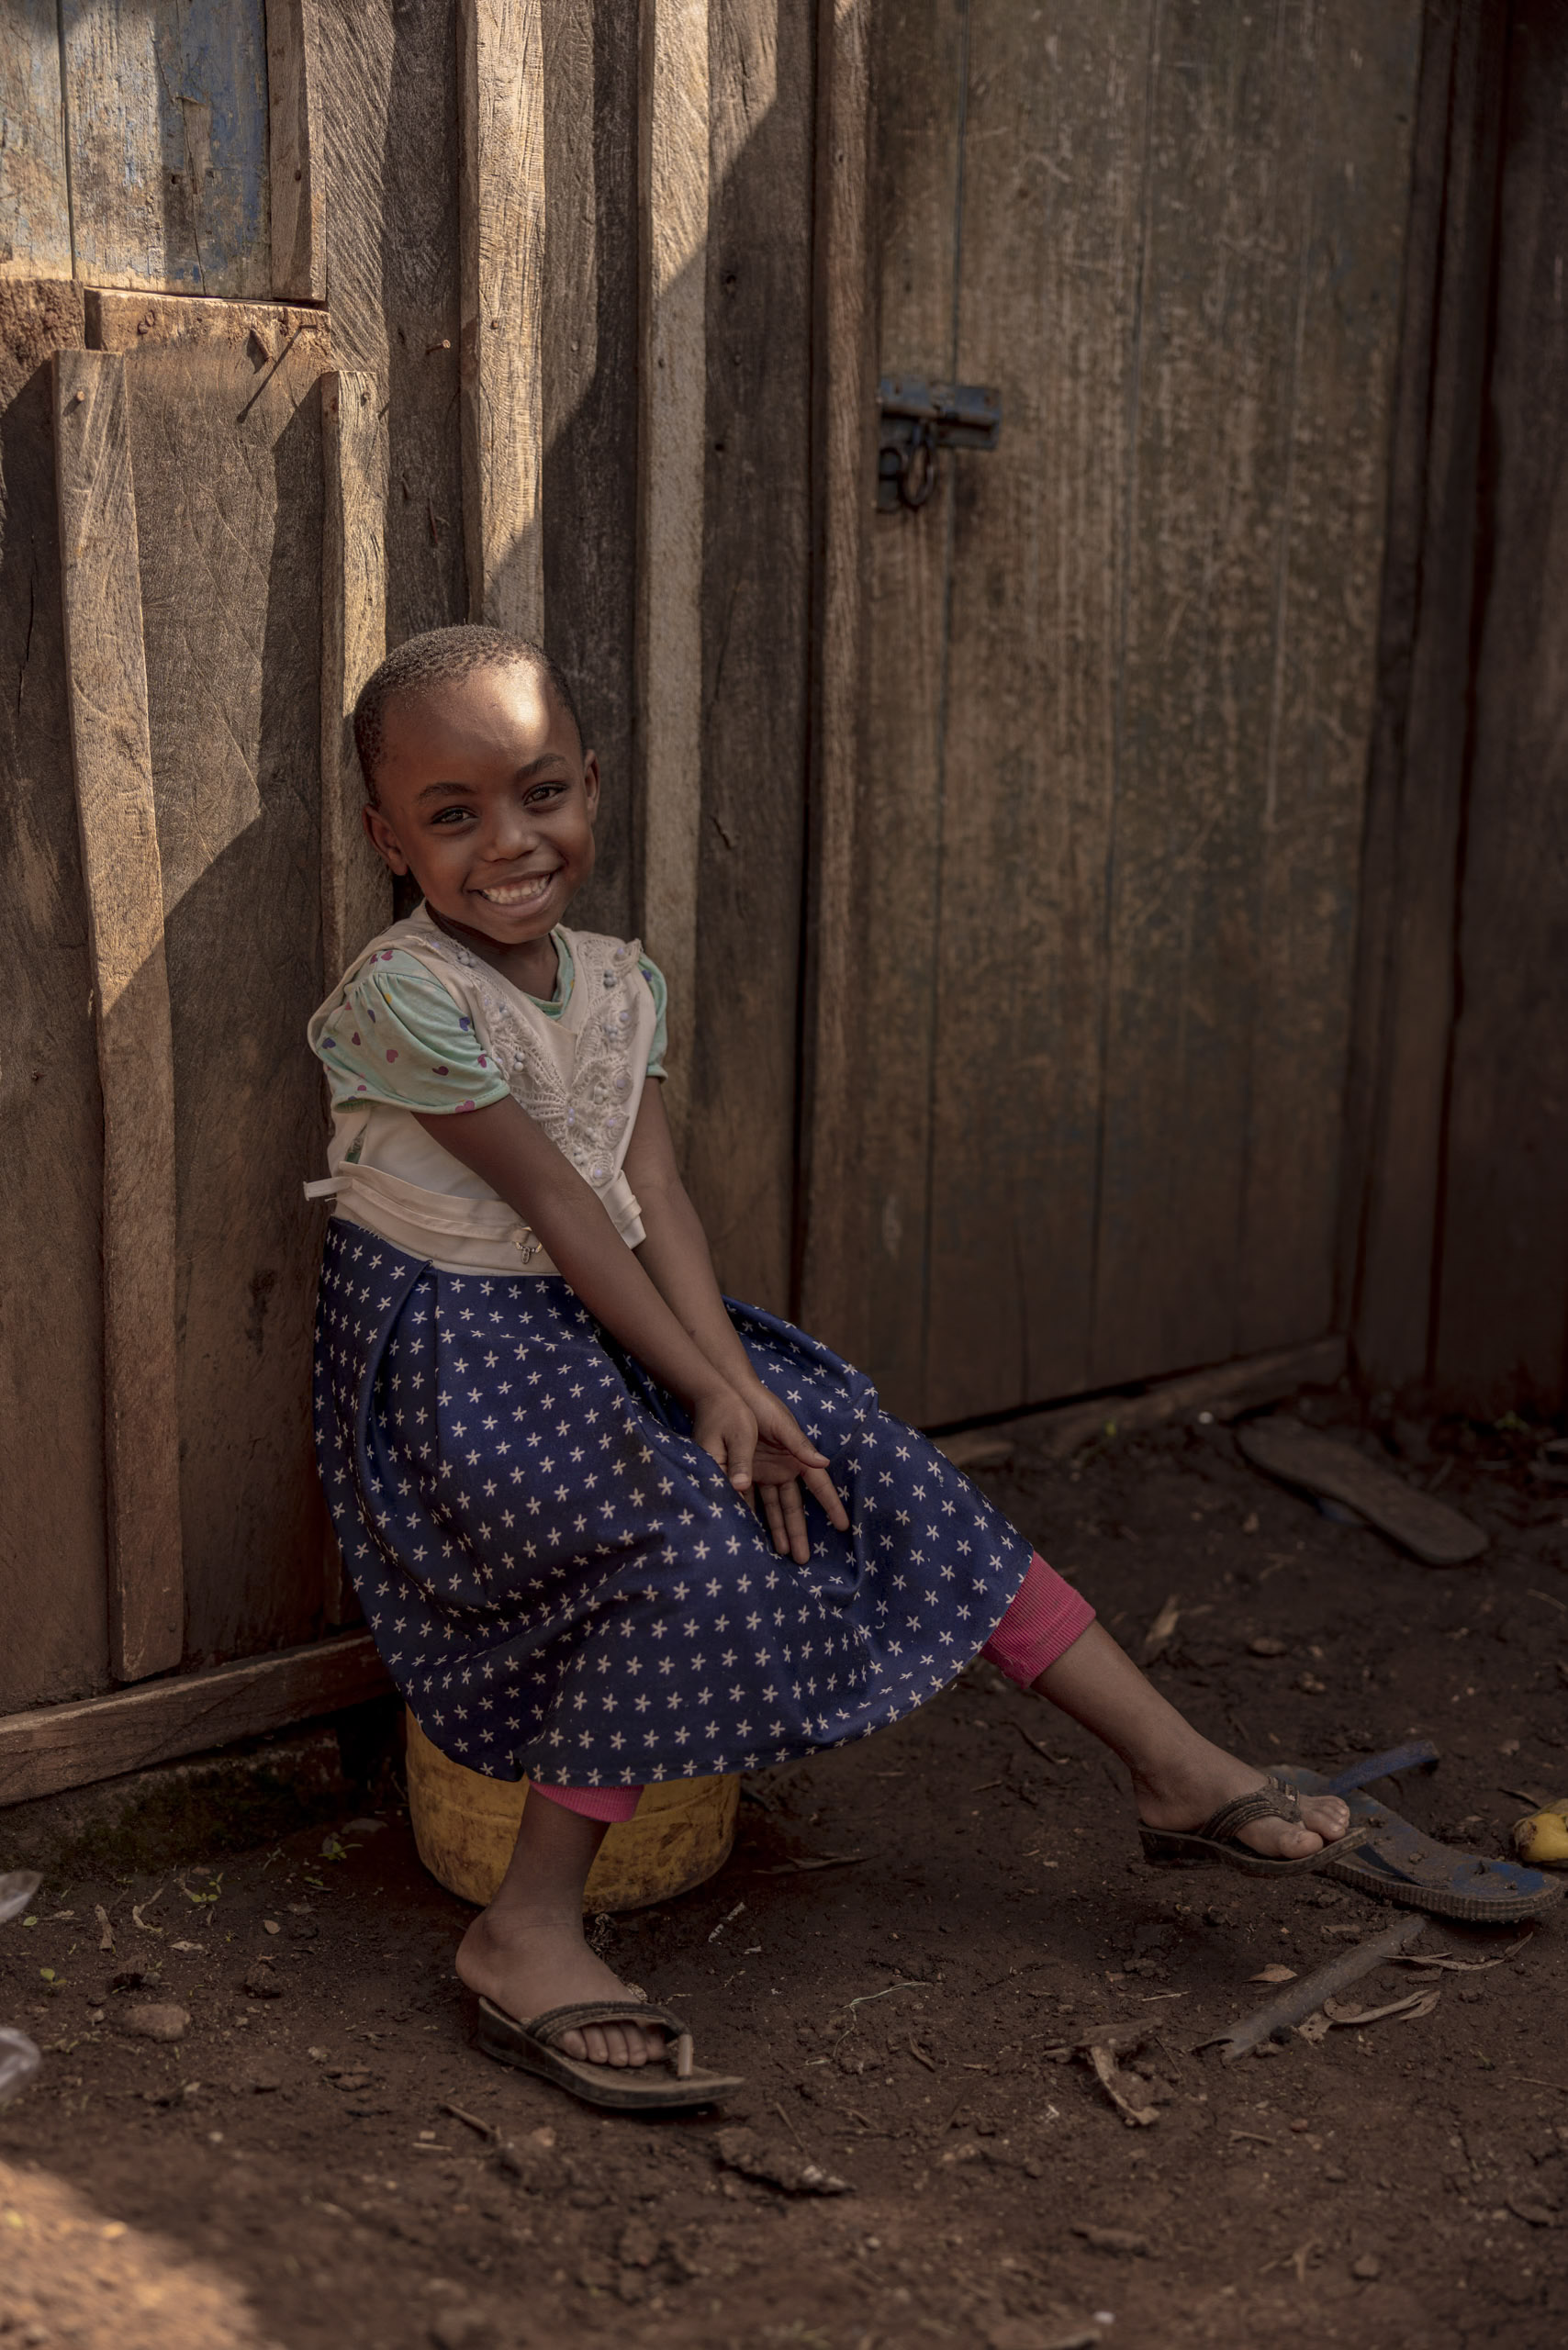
pixel 166 111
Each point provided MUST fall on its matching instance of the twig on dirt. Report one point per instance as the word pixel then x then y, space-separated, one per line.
pixel 788 2125
pixel 1536 2083
pixel 919 2056
pixel 1162 1631
pixel 485 2129
pixel 727 1919
pixel 986 1789
pixel 1257 2137
pixel 1307 1996
pixel 1560 1605
pixel 797 1867
pixel 1039 1745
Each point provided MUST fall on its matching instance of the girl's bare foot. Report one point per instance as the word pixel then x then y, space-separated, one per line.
pixel 526 1952
pixel 1179 1778
pixel 526 1963
pixel 1195 1786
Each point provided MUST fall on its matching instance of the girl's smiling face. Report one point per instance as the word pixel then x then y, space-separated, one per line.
pixel 485 795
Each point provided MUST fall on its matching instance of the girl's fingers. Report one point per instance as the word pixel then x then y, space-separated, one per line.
pixel 773 1511
pixel 795 1524
pixel 821 1487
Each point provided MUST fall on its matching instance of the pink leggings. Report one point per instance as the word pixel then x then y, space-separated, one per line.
pixel 1044 1618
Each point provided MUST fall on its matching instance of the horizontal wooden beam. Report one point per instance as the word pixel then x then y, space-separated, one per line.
pixel 1224 1391
pixel 57 1747
pixel 127 321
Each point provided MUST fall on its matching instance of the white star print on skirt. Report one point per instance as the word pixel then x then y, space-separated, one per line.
pixel 561 1583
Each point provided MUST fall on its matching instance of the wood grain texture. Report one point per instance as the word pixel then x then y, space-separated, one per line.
pixel 228 471
pixel 45 1752
pixel 1397 1094
pixel 675 155
pixel 111 753
pixel 166 135
pixel 51 1175
pixel 501 114
pixel 356 888
pixel 297 167
pixel 831 1237
pixel 1502 1315
pixel 757 582
pixel 388 96
pixel 591 408
pixel 1048 296
pixel 920 67
pixel 35 200
pixel 129 321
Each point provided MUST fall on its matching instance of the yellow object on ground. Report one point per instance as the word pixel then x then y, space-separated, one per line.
pixel 1542 1838
pixel 465 1824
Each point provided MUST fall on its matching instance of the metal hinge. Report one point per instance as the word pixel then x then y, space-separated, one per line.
pixel 918 418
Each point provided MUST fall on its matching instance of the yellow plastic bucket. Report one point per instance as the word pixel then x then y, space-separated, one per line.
pixel 465 1824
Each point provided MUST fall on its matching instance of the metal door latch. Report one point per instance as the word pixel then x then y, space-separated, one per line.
pixel 918 418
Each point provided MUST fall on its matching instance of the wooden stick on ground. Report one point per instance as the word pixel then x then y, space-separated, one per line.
pixel 1303 1999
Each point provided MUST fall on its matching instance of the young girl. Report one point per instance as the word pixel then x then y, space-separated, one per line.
pixel 542 1431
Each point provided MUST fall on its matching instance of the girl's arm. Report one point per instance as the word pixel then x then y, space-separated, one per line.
pixel 676 1254
pixel 503 1146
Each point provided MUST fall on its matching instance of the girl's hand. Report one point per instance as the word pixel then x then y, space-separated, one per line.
pixel 784 1460
pixel 725 1427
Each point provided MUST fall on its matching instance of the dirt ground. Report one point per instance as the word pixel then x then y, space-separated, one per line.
pixel 293 2170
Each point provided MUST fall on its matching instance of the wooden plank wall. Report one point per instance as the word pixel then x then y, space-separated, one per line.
pixel 51 1365
pixel 1501 1328
pixel 35 210
pixel 1121 680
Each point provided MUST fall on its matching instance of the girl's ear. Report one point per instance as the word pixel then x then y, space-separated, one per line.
pixel 590 783
pixel 383 839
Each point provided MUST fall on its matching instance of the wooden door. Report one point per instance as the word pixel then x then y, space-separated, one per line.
pixel 1119 681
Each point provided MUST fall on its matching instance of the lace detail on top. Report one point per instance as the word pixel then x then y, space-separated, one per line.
pixel 587 1117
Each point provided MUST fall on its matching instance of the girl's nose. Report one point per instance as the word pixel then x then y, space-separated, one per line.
pixel 511 832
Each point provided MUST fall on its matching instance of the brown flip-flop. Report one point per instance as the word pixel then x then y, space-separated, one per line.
pixel 1217 1839
pixel 533 2047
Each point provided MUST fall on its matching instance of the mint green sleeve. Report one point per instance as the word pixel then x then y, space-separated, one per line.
pixel 660 994
pixel 398 1037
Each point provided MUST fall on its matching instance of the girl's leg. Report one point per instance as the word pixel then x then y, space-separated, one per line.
pixel 1179 1777
pixel 526 1951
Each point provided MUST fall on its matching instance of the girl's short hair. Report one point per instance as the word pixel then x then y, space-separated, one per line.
pixel 442 656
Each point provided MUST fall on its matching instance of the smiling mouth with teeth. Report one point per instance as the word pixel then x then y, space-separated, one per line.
pixel 525 893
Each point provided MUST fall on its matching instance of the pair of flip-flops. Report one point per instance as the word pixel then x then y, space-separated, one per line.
pixel 1380 1853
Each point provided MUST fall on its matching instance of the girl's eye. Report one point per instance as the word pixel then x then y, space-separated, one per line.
pixel 451 815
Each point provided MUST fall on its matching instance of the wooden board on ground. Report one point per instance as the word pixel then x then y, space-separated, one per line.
pixel 389 93
pixel 1502 1315
pixel 107 702
pixel 52 1567
pixel 757 581
pixel 57 1747
pixel 166 132
pixel 35 202
pixel 500 101
pixel 1316 1463
pixel 228 463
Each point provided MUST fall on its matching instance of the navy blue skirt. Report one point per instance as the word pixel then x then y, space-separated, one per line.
pixel 563 1583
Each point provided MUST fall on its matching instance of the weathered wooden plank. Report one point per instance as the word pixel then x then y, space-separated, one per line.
pixel 56 1747
pixel 590 347
pixel 919 69
pixel 1221 1394
pixel 35 202
pixel 356 888
pixel 295 162
pixel 166 135
pixel 675 187
pixel 230 485
pixel 1502 1319
pixel 832 1243
pixel 1331 573
pixel 1048 296
pixel 107 692
pixel 389 96
pixel 501 102
pixel 131 322
pixel 755 642
pixel 51 1175
pixel 1397 1104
